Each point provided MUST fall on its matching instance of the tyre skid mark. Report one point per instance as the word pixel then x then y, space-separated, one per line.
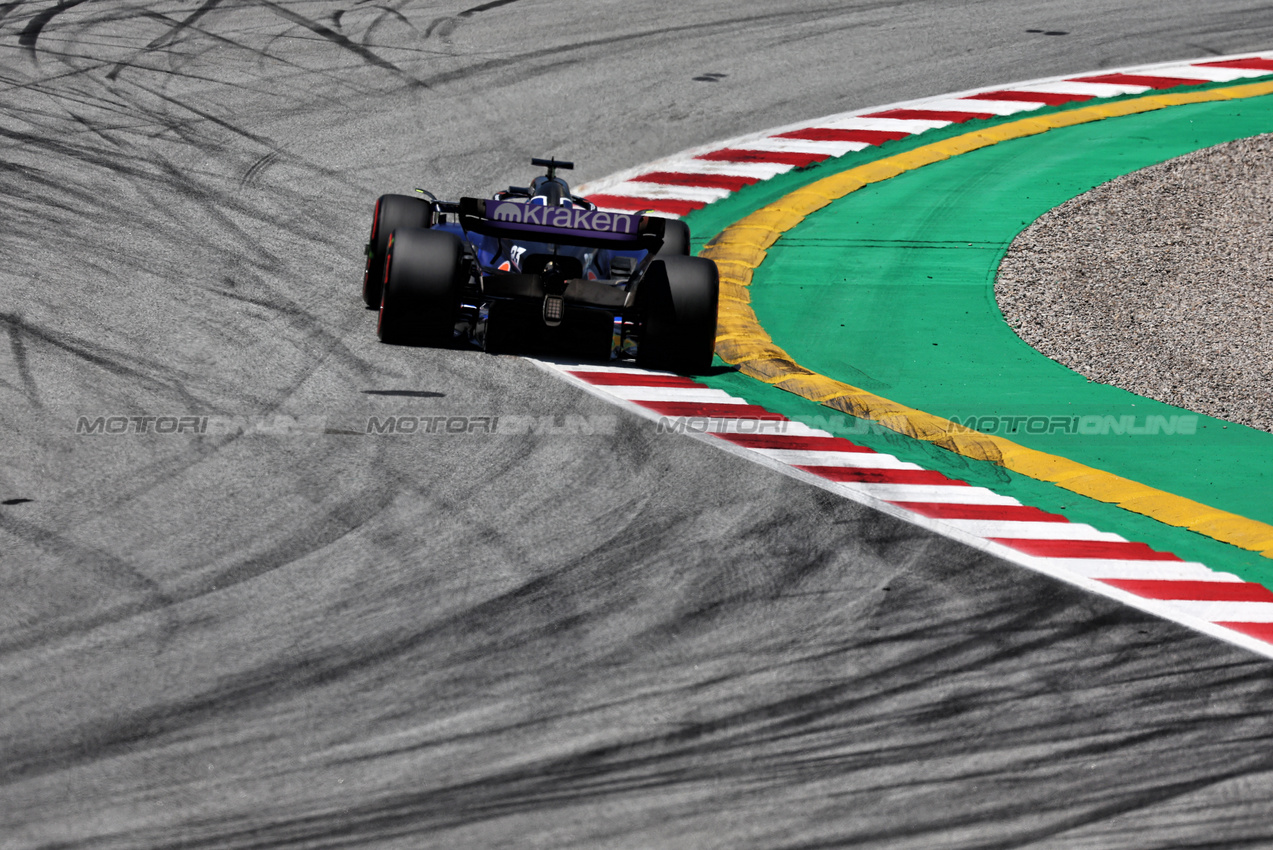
pixel 167 39
pixel 308 326
pixel 281 679
pixel 778 739
pixel 255 686
pixel 1100 562
pixel 18 349
pixel 657 34
pixel 336 38
pixel 255 170
pixel 386 12
pixel 113 362
pixel 145 594
pixel 31 32
pixel 196 579
pixel 177 27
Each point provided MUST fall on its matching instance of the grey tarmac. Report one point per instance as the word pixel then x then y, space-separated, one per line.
pixel 288 632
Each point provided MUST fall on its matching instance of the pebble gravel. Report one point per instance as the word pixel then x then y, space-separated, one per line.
pixel 1159 282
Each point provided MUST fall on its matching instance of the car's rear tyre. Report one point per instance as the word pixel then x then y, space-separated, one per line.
pixel 678 298
pixel 676 239
pixel 424 277
pixel 392 212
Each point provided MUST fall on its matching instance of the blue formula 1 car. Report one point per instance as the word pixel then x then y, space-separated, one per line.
pixel 539 269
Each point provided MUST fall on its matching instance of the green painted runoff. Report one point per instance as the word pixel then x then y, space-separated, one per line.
pixel 892 289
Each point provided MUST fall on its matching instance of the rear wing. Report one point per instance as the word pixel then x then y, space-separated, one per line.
pixel 511 219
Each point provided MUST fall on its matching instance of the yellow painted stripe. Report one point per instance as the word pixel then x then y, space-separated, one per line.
pixel 740 249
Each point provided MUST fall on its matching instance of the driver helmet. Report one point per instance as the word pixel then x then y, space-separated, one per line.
pixel 550 191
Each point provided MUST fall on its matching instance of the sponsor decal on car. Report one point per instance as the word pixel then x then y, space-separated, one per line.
pixel 537 216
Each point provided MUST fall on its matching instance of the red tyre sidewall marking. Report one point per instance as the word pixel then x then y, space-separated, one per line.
pixel 384 286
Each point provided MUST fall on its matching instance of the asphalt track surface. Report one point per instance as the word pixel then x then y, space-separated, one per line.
pixel 264 638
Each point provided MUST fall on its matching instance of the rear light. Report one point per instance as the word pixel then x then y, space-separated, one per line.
pixel 554 309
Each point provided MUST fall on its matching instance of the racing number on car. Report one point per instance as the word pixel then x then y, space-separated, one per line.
pixel 516 253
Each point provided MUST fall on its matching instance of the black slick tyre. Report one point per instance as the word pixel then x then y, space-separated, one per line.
pixel 392 212
pixel 424 277
pixel 678 298
pixel 676 239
